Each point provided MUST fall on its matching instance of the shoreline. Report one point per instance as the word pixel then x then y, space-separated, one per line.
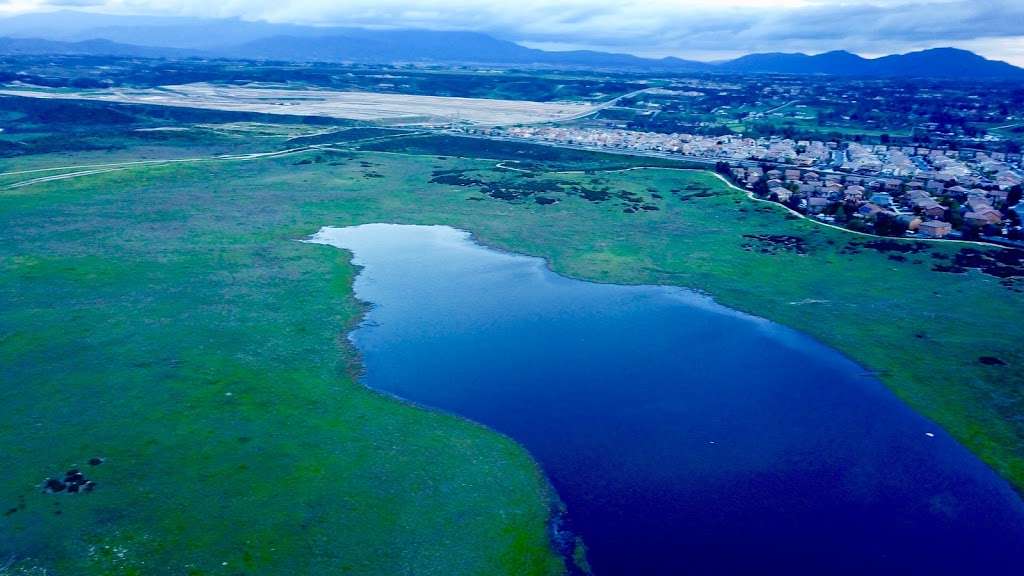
pixel 562 538
pixel 563 541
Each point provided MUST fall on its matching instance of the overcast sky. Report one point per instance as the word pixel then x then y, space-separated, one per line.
pixel 700 29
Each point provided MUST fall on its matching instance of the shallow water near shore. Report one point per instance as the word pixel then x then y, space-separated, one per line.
pixel 683 437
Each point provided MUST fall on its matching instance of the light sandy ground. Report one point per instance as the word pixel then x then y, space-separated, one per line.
pixel 368 106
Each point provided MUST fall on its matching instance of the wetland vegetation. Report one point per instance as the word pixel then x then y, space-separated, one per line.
pixel 163 317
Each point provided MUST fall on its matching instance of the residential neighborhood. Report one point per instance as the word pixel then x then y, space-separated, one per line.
pixel 887 189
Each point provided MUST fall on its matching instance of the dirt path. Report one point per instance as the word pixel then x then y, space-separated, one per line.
pixel 92 169
pixel 66 176
pixel 107 165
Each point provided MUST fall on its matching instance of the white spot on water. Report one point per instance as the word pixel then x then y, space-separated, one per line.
pixel 929 434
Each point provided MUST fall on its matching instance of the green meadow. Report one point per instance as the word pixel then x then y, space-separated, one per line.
pixel 166 319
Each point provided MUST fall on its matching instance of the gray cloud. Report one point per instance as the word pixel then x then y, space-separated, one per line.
pixel 650 26
pixel 872 28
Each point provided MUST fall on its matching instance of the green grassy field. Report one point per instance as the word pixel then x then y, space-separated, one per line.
pixel 808 124
pixel 166 319
pixel 181 333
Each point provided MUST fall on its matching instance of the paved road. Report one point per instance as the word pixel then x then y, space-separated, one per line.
pixel 591 110
pixel 777 108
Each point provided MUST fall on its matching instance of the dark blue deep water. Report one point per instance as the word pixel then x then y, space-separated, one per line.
pixel 683 437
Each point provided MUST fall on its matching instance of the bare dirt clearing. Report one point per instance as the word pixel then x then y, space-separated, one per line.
pixel 366 106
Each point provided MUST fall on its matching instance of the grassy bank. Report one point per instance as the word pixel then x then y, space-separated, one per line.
pixel 167 321
pixel 164 318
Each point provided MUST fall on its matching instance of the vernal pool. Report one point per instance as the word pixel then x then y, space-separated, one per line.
pixel 683 437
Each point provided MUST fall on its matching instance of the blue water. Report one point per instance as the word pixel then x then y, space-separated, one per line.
pixel 683 437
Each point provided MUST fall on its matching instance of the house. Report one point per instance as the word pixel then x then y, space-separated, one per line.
pixel 817 205
pixel 892 184
pixel 781 193
pixel 998 196
pixel 881 198
pixel 869 210
pixel 792 174
pixel 910 221
pixel 917 197
pixel 933 209
pixel 984 217
pixel 854 193
pixel 934 229
pixel 977 204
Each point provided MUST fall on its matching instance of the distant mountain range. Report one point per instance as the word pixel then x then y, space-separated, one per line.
pixel 937 62
pixel 96 47
pixel 71 32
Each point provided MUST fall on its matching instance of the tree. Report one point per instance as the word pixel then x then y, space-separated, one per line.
pixel 992 230
pixel 857 225
pixel 1013 197
pixel 841 215
pixel 956 218
pixel 761 187
pixel 889 225
pixel 1014 217
pixel 794 202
